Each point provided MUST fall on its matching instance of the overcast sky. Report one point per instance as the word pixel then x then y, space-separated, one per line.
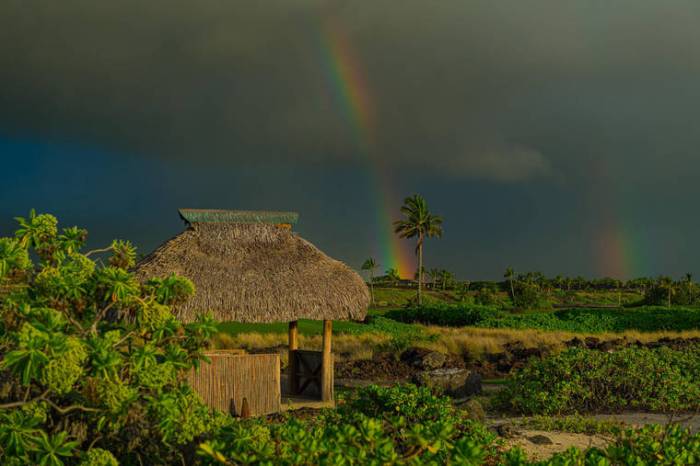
pixel 559 136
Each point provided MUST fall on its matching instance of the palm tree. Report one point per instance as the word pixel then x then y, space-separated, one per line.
pixel 393 276
pixel 418 222
pixel 689 283
pixel 417 272
pixel 666 283
pixel 510 275
pixel 447 277
pixel 370 266
pixel 434 275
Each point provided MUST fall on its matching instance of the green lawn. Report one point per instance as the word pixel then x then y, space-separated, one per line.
pixel 399 297
pixel 392 298
pixel 306 327
pixel 378 324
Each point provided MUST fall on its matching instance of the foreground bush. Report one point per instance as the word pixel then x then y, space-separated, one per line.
pixel 581 380
pixel 92 362
pixel 399 425
pixel 409 426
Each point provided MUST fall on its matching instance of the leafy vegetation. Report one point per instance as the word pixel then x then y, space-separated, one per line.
pixel 443 315
pixel 93 373
pixel 576 423
pixel 93 361
pixel 581 380
pixel 400 425
pixel 405 425
pixel 646 319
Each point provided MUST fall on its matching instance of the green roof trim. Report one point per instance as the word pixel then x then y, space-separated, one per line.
pixel 237 216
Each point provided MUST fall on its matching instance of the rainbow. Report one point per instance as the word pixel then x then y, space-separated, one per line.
pixel 346 79
pixel 619 248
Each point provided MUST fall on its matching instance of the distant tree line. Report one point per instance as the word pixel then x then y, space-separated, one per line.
pixel 445 280
pixel 530 288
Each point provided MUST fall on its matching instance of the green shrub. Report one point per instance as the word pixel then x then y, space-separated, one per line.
pixel 574 423
pixel 413 403
pixel 581 380
pixel 445 315
pixel 99 457
pixel 487 296
pixel 528 295
pixel 93 362
pixel 408 426
pixel 645 319
pixel 400 425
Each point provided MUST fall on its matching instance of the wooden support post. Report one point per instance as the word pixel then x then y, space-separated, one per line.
pixel 327 363
pixel 292 369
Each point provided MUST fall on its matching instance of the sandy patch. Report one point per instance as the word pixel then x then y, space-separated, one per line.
pixel 531 441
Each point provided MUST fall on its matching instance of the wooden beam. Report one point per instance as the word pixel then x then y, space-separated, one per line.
pixel 327 363
pixel 293 335
pixel 292 370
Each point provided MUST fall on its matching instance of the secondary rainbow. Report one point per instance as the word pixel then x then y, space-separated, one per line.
pixel 620 247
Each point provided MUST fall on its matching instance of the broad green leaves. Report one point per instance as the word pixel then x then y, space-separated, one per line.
pixel 581 380
pixel 102 355
pixel 13 257
pixel 51 450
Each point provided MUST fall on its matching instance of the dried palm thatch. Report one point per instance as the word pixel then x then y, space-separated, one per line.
pixel 257 272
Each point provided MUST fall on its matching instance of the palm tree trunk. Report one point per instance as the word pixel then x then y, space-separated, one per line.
pixel 371 284
pixel 512 289
pixel 420 272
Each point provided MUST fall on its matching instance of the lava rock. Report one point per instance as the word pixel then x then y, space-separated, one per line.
pixel 540 440
pixel 592 342
pixel 433 360
pixel 575 342
pixel 423 359
pixel 455 382
pixel 506 431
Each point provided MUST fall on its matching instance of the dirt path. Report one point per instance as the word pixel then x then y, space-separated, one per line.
pixel 540 445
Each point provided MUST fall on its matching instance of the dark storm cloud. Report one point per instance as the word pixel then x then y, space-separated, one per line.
pixel 503 90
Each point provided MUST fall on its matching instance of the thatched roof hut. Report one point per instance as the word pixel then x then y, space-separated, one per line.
pixel 250 267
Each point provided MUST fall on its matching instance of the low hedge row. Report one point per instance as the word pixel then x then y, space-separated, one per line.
pixel 646 319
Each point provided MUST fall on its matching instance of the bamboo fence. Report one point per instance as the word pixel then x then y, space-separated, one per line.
pixel 232 377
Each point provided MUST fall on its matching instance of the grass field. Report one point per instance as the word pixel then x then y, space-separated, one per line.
pixel 544 330
pixel 306 327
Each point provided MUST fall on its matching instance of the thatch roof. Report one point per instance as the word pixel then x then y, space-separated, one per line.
pixel 237 216
pixel 256 271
